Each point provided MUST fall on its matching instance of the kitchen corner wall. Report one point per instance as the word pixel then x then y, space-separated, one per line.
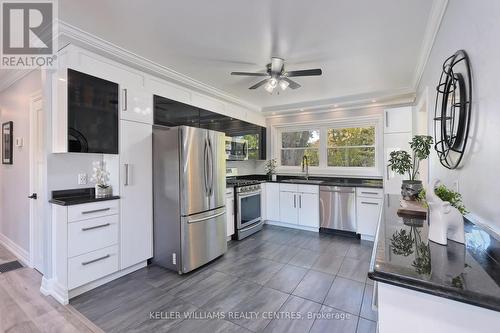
pixel 15 179
pixel 473 26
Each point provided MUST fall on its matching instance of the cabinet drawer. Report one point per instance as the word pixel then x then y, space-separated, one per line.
pixel 92 210
pixel 93 234
pixel 92 266
pixel 313 189
pixel 288 187
pixel 366 192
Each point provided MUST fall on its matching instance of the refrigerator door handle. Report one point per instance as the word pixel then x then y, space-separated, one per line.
pixel 207 218
pixel 211 164
pixel 205 168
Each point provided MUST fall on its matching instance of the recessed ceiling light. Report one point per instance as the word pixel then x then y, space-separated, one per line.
pixel 374 100
pixel 335 105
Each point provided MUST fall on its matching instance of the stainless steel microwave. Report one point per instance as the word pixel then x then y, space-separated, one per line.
pixel 236 149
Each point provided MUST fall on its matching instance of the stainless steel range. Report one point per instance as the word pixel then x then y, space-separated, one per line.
pixel 248 215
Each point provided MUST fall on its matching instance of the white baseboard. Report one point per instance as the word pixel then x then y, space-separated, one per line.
pixel 20 253
pixel 293 226
pixel 60 294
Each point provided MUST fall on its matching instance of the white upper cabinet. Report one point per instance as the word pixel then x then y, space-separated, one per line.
pixel 136 105
pixel 398 120
pixel 136 174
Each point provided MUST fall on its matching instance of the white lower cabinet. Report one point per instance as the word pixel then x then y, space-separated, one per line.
pixel 288 208
pixel 136 192
pixel 309 210
pixel 367 215
pixel 299 205
pixel 272 205
pixel 230 212
pixel 92 266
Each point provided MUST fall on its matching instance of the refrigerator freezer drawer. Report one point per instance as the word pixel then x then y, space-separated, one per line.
pixel 203 238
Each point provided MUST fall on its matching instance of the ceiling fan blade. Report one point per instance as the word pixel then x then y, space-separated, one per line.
pixel 305 72
pixel 261 83
pixel 277 65
pixel 291 84
pixel 249 74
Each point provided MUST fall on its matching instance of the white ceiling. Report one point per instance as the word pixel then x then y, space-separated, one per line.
pixel 364 47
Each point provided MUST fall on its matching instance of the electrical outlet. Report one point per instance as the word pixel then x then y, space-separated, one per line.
pixel 82 179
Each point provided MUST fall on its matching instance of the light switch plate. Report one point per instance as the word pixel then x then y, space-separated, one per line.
pixel 82 179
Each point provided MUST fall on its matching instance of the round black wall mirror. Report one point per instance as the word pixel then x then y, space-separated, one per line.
pixel 453 110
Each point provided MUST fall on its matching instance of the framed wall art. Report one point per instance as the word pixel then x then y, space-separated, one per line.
pixel 7 146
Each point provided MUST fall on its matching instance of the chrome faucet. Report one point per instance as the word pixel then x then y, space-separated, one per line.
pixel 305 166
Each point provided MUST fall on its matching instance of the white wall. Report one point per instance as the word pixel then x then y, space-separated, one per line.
pixel 475 27
pixel 14 179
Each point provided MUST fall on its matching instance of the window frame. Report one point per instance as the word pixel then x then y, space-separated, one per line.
pixel 323 168
pixel 288 130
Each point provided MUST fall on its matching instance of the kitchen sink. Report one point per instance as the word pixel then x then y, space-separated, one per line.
pixel 303 181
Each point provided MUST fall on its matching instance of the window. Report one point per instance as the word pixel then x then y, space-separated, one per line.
pixel 294 145
pixel 351 147
pixel 336 147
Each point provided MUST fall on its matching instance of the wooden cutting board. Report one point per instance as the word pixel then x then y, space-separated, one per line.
pixel 412 208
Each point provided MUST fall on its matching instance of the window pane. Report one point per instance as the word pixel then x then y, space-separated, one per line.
pixel 293 157
pixel 300 139
pixel 351 157
pixel 360 136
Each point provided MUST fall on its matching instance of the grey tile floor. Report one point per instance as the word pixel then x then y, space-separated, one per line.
pixel 278 280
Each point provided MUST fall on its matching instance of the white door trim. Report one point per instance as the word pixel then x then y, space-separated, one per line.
pixel 35 233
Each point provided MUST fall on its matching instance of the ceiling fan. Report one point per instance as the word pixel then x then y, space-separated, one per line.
pixel 277 75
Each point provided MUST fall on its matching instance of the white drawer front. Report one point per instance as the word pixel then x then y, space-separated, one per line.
pixel 93 234
pixel 288 187
pixel 92 210
pixel 92 266
pixel 366 192
pixel 314 189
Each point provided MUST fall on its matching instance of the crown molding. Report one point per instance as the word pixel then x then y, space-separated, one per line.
pixel 433 24
pixel 12 76
pixel 383 99
pixel 71 34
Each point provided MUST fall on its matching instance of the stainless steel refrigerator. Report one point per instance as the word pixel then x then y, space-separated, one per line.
pixel 189 182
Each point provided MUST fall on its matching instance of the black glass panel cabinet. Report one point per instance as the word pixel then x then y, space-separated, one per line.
pixel 92 114
pixel 168 112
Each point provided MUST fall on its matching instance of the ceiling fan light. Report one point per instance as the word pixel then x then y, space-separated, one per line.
pixel 284 84
pixel 269 87
pixel 273 82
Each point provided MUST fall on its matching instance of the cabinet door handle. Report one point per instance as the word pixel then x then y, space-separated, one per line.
pixel 96 210
pixel 96 227
pixel 85 263
pixel 369 192
pixel 369 203
pixel 126 174
pixel 300 200
pixel 387 171
pixel 294 201
pixel 386 119
pixel 125 100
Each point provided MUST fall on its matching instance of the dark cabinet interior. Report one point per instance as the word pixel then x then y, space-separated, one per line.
pixel 168 112
pixel 92 114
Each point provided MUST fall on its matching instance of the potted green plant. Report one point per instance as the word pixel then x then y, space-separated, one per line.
pixel 403 163
pixel 270 167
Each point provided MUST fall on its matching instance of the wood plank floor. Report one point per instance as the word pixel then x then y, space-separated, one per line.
pixel 24 309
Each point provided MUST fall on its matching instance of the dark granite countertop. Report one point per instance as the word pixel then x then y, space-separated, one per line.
pixel 403 256
pixel 77 197
pixel 325 181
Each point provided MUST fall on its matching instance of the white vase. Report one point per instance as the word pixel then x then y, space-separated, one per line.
pixel 103 192
pixel 445 221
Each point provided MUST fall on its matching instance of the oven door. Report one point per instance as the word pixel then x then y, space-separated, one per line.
pixel 249 210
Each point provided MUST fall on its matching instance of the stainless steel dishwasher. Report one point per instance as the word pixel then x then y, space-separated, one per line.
pixel 337 208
